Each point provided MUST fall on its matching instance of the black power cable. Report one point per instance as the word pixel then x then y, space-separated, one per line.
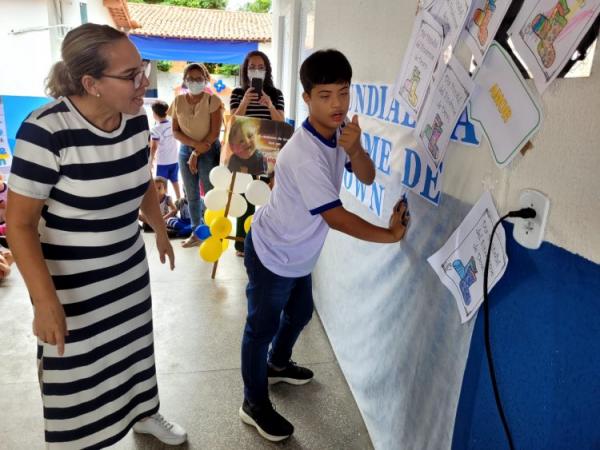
pixel 525 213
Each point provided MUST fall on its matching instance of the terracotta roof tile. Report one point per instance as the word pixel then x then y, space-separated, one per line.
pixel 197 23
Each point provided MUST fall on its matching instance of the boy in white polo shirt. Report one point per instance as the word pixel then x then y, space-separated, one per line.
pixel 288 233
pixel 164 146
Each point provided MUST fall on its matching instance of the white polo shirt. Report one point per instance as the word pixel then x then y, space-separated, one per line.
pixel 288 232
pixel 167 151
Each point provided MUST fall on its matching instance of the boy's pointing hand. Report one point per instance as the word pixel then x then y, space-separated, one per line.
pixel 350 137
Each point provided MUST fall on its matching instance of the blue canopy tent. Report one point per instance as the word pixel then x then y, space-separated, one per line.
pixel 175 49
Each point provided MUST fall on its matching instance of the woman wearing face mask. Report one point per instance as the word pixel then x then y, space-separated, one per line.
pixel 268 104
pixel 197 118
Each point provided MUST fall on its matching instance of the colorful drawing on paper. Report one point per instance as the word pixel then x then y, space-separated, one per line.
pixel 416 74
pixel 432 133
pixel 410 87
pixel 546 34
pixel 444 105
pixel 481 18
pixel 461 261
pixel 547 27
pixel 484 21
pixel 468 277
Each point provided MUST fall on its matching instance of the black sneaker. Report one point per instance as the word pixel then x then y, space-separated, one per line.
pixel 269 423
pixel 292 374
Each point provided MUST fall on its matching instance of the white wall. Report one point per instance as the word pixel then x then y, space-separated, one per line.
pixel 27 57
pixel 374 33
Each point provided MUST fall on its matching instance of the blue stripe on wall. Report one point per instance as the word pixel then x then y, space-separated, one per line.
pixel 545 331
pixel 16 110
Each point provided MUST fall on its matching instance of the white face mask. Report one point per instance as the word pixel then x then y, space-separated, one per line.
pixel 196 87
pixel 256 73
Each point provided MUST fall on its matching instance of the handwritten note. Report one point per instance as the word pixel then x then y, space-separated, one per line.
pixel 420 60
pixel 452 14
pixel 442 109
pixel 460 263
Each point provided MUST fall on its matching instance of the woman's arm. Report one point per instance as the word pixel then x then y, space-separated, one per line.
pixel 151 210
pixel 23 215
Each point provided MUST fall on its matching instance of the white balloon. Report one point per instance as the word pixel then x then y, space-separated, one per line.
pixel 238 206
pixel 241 181
pixel 220 177
pixel 258 192
pixel 216 199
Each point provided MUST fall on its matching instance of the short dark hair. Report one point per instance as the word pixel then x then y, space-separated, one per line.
pixel 267 82
pixel 161 180
pixel 160 108
pixel 325 67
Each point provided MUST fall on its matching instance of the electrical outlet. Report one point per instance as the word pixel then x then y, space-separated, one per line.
pixel 530 232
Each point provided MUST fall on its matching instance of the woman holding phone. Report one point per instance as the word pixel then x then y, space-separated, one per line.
pixel 256 97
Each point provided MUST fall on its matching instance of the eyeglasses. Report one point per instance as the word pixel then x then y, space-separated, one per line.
pixel 136 77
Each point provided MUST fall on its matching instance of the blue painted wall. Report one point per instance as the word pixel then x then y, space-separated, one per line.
pixel 545 331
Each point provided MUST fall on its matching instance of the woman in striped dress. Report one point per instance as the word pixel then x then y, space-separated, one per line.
pixel 79 177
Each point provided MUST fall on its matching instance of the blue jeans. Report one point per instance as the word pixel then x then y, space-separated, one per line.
pixel 278 309
pixel 191 182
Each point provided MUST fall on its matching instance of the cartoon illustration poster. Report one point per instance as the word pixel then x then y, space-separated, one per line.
pixel 252 144
pixel 546 34
pixel 461 261
pixel 442 109
pixel 483 23
pixel 452 14
pixel 507 110
pixel 422 55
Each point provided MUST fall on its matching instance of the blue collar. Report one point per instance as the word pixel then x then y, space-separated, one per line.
pixel 164 121
pixel 332 143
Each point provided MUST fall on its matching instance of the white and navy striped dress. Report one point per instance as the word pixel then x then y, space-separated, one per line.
pixel 92 182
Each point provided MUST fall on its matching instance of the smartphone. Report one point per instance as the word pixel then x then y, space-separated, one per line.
pixel 257 84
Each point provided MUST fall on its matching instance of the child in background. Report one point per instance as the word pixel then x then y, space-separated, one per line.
pixel 167 207
pixel 163 146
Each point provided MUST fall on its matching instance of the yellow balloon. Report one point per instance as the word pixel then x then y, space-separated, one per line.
pixel 220 227
pixel 210 249
pixel 211 214
pixel 248 223
pixel 225 244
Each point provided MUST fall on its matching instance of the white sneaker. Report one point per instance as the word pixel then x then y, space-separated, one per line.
pixel 168 432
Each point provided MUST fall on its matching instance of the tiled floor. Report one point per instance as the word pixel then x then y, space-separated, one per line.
pixel 198 326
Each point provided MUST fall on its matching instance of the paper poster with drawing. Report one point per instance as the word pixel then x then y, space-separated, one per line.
pixel 452 15
pixel 422 55
pixel 546 34
pixel 483 23
pixel 509 113
pixel 445 103
pixel 461 261
pixel 252 144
